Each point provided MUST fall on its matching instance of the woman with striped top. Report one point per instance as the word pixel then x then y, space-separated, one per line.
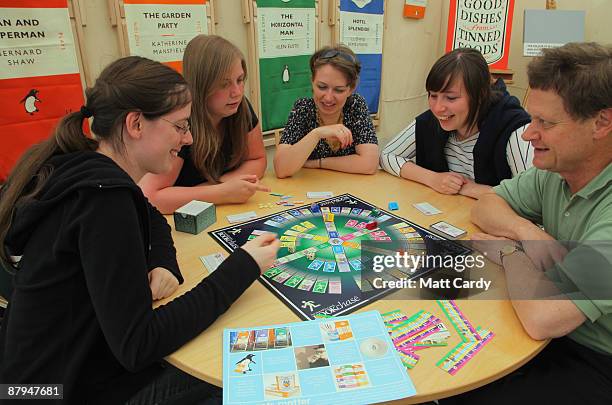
pixel 470 138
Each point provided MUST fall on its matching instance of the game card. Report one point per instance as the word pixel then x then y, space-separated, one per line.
pixel 448 230
pixel 244 216
pixel 319 194
pixel 426 208
pixel 211 262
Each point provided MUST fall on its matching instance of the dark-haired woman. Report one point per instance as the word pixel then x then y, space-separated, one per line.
pixel 469 139
pixel 83 243
pixel 333 129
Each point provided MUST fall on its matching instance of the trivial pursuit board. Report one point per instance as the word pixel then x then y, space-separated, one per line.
pixel 318 272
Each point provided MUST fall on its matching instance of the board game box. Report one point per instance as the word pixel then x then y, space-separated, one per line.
pixel 318 272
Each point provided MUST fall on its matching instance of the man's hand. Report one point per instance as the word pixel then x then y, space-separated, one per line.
pixel 491 245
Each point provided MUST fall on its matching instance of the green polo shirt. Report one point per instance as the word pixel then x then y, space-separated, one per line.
pixel 586 217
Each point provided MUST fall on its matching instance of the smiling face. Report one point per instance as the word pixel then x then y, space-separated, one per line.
pixel 451 107
pixel 330 90
pixel 561 144
pixel 225 100
pixel 162 139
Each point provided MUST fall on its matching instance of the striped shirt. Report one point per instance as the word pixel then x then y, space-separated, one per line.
pixel 459 154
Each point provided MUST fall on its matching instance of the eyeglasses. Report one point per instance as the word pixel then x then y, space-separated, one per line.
pixel 332 53
pixel 181 129
pixel 544 124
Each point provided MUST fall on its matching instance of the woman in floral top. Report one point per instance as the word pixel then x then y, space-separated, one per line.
pixel 333 129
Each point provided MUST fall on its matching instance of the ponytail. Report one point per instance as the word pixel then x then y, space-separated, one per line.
pixel 128 84
pixel 30 173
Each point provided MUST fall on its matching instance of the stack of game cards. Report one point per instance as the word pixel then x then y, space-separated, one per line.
pixel 414 333
pixel 472 339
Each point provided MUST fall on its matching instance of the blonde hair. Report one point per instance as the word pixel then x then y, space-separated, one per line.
pixel 206 61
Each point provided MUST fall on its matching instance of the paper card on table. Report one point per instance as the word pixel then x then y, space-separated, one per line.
pixel 243 216
pixel 319 194
pixel 426 208
pixel 211 262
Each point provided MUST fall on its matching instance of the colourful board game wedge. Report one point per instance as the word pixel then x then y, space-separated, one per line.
pixel 393 206
pixel 372 225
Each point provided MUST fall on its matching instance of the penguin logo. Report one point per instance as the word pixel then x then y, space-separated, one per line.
pixel 244 365
pixel 29 101
pixel 286 74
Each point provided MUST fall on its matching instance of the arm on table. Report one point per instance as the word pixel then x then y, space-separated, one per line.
pixel 542 319
pixel 364 161
pixel 160 190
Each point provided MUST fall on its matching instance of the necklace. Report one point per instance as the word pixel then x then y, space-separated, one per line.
pixel 334 144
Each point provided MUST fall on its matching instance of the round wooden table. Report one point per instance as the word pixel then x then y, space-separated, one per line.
pixel 510 348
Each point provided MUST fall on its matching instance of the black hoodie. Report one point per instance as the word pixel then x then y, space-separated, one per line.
pixel 80 313
pixel 490 162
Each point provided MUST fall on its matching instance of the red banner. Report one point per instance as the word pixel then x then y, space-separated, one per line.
pixel 485 25
pixel 39 75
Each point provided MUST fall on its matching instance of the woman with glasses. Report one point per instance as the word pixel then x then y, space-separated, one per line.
pixel 332 129
pixel 469 139
pixel 89 254
pixel 227 157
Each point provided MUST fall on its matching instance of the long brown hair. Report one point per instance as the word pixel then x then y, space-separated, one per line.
pixel 206 62
pixel 472 68
pixel 128 84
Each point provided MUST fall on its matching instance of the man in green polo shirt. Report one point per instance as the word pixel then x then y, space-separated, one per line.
pixel 569 193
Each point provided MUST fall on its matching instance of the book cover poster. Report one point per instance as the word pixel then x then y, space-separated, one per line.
pixel 39 74
pixel 361 29
pixel 485 25
pixel 286 40
pixel 161 29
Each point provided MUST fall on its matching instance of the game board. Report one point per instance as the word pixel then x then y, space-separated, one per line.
pixel 318 272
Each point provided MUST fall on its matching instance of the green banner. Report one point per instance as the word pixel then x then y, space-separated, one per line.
pixel 286 41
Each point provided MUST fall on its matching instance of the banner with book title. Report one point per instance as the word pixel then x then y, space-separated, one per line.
pixel 286 40
pixel 39 75
pixel 161 29
pixel 485 25
pixel 361 29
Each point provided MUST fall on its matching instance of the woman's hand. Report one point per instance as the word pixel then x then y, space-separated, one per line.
pixel 263 250
pixel 240 189
pixel 338 132
pixel 162 283
pixel 447 183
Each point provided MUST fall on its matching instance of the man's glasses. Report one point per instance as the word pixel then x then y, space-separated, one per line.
pixel 332 53
pixel 181 129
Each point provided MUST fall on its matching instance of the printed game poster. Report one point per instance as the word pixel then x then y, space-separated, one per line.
pixel 347 360
pixel 39 74
pixel 361 29
pixel 161 29
pixel 286 40
pixel 485 25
